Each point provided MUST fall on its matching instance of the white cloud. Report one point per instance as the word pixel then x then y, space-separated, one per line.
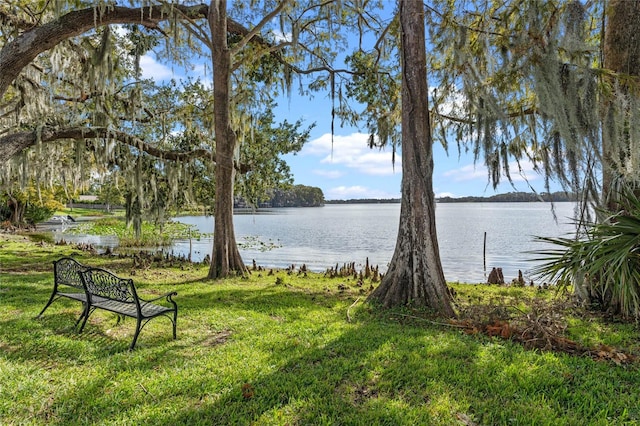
pixel 454 105
pixel 281 37
pixel 466 173
pixel 154 69
pixel 357 191
pixel 329 174
pixel 524 172
pixel 445 194
pixel 353 151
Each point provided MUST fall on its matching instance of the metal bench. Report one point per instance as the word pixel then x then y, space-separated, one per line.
pixel 107 291
pixel 67 283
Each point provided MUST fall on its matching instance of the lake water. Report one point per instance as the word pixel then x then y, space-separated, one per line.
pixel 320 237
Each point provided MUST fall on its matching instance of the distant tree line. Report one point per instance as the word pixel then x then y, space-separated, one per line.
pixel 365 201
pixel 511 197
pixel 514 197
pixel 295 196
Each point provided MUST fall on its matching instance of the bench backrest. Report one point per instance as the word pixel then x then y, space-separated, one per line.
pixel 66 271
pixel 105 284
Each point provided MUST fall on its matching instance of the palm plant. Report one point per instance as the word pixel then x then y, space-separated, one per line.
pixel 603 266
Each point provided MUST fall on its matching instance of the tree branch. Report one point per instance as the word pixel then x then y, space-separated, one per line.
pixel 254 32
pixel 14 143
pixel 508 114
pixel 23 49
pixel 6 16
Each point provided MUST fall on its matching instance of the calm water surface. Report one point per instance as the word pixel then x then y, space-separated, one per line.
pixel 322 237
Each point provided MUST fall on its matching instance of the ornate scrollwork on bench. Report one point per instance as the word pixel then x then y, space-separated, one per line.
pixel 115 294
pixel 67 283
pixel 98 288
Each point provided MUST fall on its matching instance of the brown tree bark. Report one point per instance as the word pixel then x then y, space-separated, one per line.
pixel 14 143
pixel 23 49
pixel 225 258
pixel 18 53
pixel 621 53
pixel 415 274
pixel 18 210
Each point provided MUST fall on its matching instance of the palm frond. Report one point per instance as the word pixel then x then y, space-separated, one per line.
pixel 603 265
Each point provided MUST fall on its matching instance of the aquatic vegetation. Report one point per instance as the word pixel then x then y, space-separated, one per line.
pixel 151 235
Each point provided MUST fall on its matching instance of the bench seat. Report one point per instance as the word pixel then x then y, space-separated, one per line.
pixel 130 309
pixel 109 292
pixel 98 288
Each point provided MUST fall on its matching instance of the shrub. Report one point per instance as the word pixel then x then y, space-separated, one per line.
pixel 35 213
pixel 604 266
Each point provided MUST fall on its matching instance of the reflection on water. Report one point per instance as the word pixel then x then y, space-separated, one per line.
pixel 322 237
pixel 101 242
pixel 61 233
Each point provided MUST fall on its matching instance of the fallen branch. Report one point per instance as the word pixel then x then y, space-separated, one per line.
pixel 349 308
pixel 147 392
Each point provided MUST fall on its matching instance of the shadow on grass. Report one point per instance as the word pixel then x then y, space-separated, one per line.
pixel 382 373
pixel 267 299
pixel 376 370
pixel 371 374
pixel 54 338
pixel 195 302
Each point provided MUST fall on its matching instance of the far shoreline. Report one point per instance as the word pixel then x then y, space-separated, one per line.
pixel 510 197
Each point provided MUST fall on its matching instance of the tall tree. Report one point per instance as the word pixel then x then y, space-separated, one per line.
pixel 415 273
pixel 555 84
pixel 621 56
pixel 235 54
pixel 226 256
pixel 236 51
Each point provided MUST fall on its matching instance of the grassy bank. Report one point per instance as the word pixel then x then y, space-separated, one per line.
pixel 151 235
pixel 85 212
pixel 113 224
pixel 289 349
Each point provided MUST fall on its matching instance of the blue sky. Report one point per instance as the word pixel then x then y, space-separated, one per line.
pixel 348 169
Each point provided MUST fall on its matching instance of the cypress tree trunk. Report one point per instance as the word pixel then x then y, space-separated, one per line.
pixel 18 210
pixel 622 56
pixel 225 258
pixel 415 274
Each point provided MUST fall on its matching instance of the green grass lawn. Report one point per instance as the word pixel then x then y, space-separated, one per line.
pixel 287 350
pixel 81 211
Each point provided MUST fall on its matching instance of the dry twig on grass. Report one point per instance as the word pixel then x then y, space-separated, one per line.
pixel 543 327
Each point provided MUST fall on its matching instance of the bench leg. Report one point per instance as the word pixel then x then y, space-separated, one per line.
pixel 79 318
pixel 84 315
pixel 51 299
pixel 135 336
pixel 175 322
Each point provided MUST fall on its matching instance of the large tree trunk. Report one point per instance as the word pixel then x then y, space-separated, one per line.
pixel 622 56
pixel 17 209
pixel 225 258
pixel 415 274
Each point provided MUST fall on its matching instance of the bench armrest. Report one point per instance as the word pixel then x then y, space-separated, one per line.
pixel 164 296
